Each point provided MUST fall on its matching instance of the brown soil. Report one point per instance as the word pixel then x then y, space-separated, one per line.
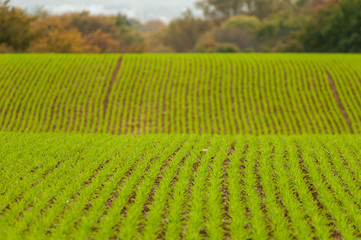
pixel 51 108
pixel 221 98
pixel 123 104
pixel 338 101
pixel 327 106
pixel 315 195
pixel 209 98
pixel 110 87
pixel 288 97
pixel 294 191
pixel 150 199
pixel 187 120
pixel 261 98
pixel 235 98
pixel 244 101
pixel 137 119
pixel 165 98
pixel 136 82
pixel 21 105
pixel 226 221
pixel 278 194
pixel 303 101
pixel 188 191
pixel 80 71
pixel 52 112
pixel 174 86
pixel 207 103
pixel 149 84
pixel 235 117
pixel 8 91
pixel 200 125
pixel 262 195
pixel 311 81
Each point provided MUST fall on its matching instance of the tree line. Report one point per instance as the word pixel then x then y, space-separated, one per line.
pixel 225 26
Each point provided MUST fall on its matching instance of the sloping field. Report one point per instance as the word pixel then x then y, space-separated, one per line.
pixel 233 179
pixel 66 186
pixel 254 94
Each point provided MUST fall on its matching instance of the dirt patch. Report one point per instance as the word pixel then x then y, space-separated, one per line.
pixel 338 101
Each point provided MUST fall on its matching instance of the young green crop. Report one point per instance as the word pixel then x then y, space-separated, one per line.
pixel 255 94
pixel 62 186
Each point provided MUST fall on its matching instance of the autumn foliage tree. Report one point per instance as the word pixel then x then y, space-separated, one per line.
pixel 15 31
pixel 82 32
pixel 67 33
pixel 55 36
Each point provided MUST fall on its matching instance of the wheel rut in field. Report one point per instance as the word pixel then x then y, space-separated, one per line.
pixel 110 87
pixel 338 101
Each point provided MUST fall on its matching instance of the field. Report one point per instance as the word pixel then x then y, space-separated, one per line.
pixel 179 186
pixel 257 94
pixel 180 146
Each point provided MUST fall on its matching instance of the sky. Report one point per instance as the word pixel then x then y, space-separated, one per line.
pixel 143 10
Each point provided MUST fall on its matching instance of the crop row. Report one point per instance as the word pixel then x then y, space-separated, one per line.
pixel 179 186
pixel 256 94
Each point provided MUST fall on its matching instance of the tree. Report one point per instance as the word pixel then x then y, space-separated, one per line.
pixel 335 27
pixel 274 33
pixel 54 36
pixel 117 31
pixel 152 26
pixel 183 33
pixel 90 33
pixel 238 32
pixel 40 12
pixel 103 41
pixel 223 9
pixel 14 27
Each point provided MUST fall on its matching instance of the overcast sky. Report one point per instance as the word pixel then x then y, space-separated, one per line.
pixel 140 9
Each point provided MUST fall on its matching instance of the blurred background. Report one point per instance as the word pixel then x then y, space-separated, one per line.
pixel 138 26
